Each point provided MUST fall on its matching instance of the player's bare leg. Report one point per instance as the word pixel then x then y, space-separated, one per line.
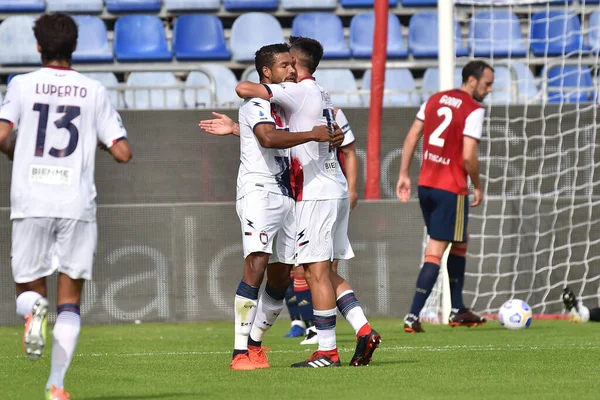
pixel 318 276
pixel 367 339
pixel 269 307
pixel 32 305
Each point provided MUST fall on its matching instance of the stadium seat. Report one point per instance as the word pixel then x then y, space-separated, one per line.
pixel 22 5
pixel 119 6
pixel 527 88
pixel 431 81
pixel 364 3
pixel 108 80
pixel 199 97
pixel 140 38
pixel 92 42
pixel 570 84
pixel 186 5
pixel 496 33
pixel 594 35
pixel 250 32
pixel 199 37
pixel 419 3
pixel 423 36
pixel 401 85
pixel 309 4
pixel 251 75
pixel 504 92
pixel 341 85
pixel 326 28
pixel 152 99
pixel 361 36
pixel 89 6
pixel 17 43
pixel 263 5
pixel 555 33
pixel 226 83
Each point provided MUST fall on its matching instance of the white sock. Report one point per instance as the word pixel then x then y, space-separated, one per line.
pixel 25 302
pixel 353 312
pixel 66 332
pixel 245 311
pixel 267 312
pixel 325 324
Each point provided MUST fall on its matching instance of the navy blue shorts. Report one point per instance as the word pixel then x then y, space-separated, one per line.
pixel 446 214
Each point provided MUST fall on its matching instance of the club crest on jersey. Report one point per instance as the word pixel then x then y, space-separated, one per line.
pixel 264 238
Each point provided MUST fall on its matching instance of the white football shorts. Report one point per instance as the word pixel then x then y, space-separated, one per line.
pixel 36 241
pixel 268 222
pixel 323 230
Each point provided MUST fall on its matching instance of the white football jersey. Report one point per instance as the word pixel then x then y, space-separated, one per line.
pixel 316 172
pixel 262 168
pixel 60 115
pixel 344 125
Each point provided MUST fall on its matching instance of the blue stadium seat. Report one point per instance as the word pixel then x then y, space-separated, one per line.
pixel 153 99
pixel 250 32
pixel 363 3
pixel 199 37
pixel 594 35
pixel 198 97
pixel 527 88
pixel 431 81
pixel 341 85
pixel 263 5
pixel 496 33
pixel 326 28
pixel 400 84
pixel 423 36
pixel 22 5
pixel 140 38
pixel 309 4
pixel 505 87
pixel 92 42
pixel 555 33
pixel 419 3
pixel 186 5
pixel 570 84
pixel 89 6
pixel 110 82
pixel 225 81
pixel 17 43
pixel 361 36
pixel 119 6
pixel 251 75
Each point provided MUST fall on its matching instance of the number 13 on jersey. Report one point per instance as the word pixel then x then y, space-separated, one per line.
pixel 65 122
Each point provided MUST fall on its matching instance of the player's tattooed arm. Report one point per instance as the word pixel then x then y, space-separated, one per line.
pixel 248 89
pixel 221 125
pixel 408 152
pixel 8 139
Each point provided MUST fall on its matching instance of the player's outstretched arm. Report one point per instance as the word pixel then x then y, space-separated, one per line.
pixel 121 151
pixel 7 141
pixel 408 152
pixel 248 89
pixel 472 166
pixel 270 138
pixel 221 125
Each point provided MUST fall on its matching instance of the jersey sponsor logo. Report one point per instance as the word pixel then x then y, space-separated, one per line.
pixel 331 167
pixel 50 175
pixel 436 158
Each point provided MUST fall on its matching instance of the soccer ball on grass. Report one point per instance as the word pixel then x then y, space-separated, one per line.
pixel 515 314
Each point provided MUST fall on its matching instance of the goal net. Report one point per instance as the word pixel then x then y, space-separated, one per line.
pixel 538 229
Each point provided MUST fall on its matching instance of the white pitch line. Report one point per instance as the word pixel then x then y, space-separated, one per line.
pixel 566 346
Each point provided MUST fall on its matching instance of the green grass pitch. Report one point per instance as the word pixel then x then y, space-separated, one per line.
pixel 550 360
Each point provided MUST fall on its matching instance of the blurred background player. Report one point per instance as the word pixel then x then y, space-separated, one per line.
pixel 451 123
pixel 53 195
pixel 265 206
pixel 579 313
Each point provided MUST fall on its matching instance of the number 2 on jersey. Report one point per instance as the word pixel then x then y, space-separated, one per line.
pixel 435 139
pixel 65 122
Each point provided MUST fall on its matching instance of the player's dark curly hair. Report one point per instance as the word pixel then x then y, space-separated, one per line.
pixel 56 34
pixel 310 51
pixel 265 56
pixel 475 69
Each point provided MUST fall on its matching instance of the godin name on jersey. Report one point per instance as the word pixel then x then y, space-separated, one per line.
pixel 450 101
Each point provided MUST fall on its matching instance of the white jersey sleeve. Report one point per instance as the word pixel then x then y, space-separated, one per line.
pixel 11 107
pixel 421 112
pixel 474 124
pixel 290 96
pixel 256 112
pixel 342 122
pixel 108 121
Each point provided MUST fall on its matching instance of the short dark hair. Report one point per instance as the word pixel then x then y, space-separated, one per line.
pixel 475 69
pixel 311 52
pixel 265 56
pixel 56 34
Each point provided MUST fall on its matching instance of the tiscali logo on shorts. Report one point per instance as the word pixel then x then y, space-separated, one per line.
pixel 264 238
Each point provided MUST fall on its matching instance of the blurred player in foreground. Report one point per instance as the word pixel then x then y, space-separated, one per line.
pixel 451 124
pixel 61 116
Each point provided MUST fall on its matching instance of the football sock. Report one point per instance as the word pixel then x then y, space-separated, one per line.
pixel 246 299
pixel 65 334
pixel 305 307
pixel 456 273
pixel 353 312
pixel 292 302
pixel 325 324
pixel 270 306
pixel 425 282
pixel 25 302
